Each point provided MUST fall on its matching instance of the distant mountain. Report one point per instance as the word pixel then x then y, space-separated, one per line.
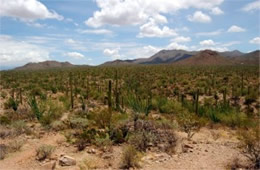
pixel 251 58
pixel 162 57
pixel 45 65
pixel 206 57
pixel 182 57
pixel 168 56
pixel 230 54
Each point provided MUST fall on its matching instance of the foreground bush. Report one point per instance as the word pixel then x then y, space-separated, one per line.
pixel 44 151
pixel 250 140
pixel 129 158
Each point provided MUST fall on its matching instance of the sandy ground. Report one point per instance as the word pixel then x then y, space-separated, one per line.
pixel 209 149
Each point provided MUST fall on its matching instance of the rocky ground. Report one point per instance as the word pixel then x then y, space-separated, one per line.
pixel 208 149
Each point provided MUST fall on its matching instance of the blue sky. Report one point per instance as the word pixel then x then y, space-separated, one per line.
pixel 95 31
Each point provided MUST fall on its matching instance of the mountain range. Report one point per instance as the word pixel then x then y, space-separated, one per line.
pixel 174 57
pixel 205 57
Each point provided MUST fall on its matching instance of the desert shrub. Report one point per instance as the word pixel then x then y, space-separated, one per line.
pixel 104 142
pixel 15 145
pixel 44 151
pixel 234 119
pixel 66 102
pixel 52 112
pixel 189 123
pixel 37 91
pixel 91 162
pixel 20 127
pixel 141 140
pixel 78 123
pixel 102 118
pixel 129 157
pixel 11 103
pixel 58 125
pixel 3 94
pixel 250 140
pixel 84 137
pixel 4 120
pixel 3 151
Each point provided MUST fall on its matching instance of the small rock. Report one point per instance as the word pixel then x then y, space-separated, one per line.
pixel 107 156
pixel 206 150
pixel 188 146
pixel 91 151
pixel 49 166
pixel 66 160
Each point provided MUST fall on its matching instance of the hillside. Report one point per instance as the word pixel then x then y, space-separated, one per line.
pixel 251 58
pixel 45 65
pixel 206 57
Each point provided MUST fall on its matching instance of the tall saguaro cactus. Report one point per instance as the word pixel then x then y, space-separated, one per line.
pixel 71 91
pixel 109 95
pixel 197 102
pixel 242 84
pixel 20 95
pixel 117 94
pixel 225 96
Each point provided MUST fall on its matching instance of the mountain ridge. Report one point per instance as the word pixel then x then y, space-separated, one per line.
pixel 176 56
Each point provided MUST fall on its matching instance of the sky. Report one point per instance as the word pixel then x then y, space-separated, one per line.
pixel 95 31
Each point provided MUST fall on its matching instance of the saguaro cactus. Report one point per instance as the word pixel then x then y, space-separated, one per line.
pixel 117 94
pixel 197 102
pixel 20 95
pixel 71 91
pixel 242 84
pixel 225 96
pixel 109 95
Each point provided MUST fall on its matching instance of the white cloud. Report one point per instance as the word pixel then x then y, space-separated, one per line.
pixel 75 55
pixel 255 40
pixel 176 46
pixel 150 29
pixel 27 10
pixel 252 6
pixel 207 43
pixel 213 33
pixel 216 11
pixel 215 46
pixel 219 49
pixel 95 31
pixel 235 28
pixel 136 12
pixel 199 16
pixel 15 53
pixel 181 39
pixel 113 53
pixel 142 52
